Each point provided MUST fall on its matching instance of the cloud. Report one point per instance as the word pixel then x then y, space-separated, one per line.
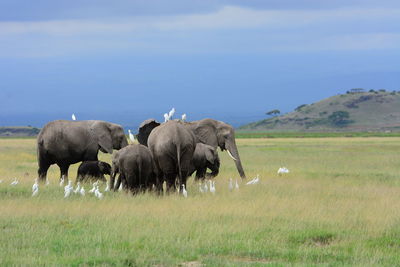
pixel 231 29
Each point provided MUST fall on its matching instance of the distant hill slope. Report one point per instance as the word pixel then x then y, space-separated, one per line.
pixel 365 111
pixel 19 131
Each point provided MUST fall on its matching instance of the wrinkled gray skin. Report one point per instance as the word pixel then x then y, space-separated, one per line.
pixel 207 131
pixel 172 147
pixel 93 170
pixel 135 165
pixel 204 157
pixel 67 142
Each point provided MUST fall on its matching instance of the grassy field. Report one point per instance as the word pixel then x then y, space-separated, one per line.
pixel 339 205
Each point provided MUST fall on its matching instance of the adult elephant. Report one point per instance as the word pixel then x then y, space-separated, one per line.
pixel 172 146
pixel 64 143
pixel 207 131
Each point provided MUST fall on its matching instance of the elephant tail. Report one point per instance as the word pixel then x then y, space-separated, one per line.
pixel 178 153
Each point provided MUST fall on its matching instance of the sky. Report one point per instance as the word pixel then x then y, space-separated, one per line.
pixel 127 60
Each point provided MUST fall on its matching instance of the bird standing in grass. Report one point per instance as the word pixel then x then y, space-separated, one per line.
pixel 236 185
pixel 82 191
pixel 62 181
pixel 212 187
pixel 68 189
pixel 283 170
pixel 201 190
pixel 97 193
pixel 230 186
pixel 256 180
pixel 15 182
pixel 184 192
pixel 93 188
pixel 78 188
pixel 35 188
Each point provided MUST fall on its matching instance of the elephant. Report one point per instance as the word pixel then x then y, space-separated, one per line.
pixel 172 147
pixel 136 167
pixel 64 143
pixel 207 131
pixel 93 169
pixel 204 157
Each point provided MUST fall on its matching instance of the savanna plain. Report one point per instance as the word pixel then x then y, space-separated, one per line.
pixel 338 206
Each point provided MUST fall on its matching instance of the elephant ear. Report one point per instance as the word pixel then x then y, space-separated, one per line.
pixel 210 152
pixel 205 133
pixel 102 133
pixel 145 129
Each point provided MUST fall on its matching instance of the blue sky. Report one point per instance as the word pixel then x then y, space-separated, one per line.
pixel 125 61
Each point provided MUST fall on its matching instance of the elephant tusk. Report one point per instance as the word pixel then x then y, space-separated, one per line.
pixel 229 153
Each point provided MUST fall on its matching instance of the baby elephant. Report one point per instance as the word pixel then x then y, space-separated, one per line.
pixel 135 166
pixel 93 170
pixel 204 157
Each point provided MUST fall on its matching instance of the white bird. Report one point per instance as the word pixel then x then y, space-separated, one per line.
pixel 1 181
pixel 282 170
pixel 254 181
pixel 184 117
pixel 93 188
pixel 35 188
pixel 184 192
pixel 230 186
pixel 131 136
pixel 73 117
pixel 15 182
pixel 82 192
pixel 205 187
pixel 212 187
pixel 201 190
pixel 62 181
pixel 78 188
pixel 97 193
pixel 68 189
pixel 166 117
pixel 107 187
pixel 171 113
pixel 236 185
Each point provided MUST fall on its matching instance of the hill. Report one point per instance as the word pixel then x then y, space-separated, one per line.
pixel 19 131
pixel 353 111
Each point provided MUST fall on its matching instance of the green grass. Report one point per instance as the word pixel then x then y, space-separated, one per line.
pixel 338 206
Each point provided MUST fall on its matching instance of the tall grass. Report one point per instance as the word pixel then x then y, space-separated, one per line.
pixel 339 205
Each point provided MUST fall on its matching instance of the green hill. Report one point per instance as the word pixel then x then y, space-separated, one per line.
pixel 19 131
pixel 358 111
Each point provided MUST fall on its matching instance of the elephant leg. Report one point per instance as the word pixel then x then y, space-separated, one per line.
pixel 200 174
pixel 112 181
pixel 170 180
pixel 118 183
pixel 42 171
pixel 64 171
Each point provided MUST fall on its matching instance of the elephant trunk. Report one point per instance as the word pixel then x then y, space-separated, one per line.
pixel 234 153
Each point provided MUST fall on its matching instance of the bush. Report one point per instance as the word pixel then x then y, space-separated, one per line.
pixel 340 118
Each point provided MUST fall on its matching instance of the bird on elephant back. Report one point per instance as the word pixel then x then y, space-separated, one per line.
pixel 64 143
pixel 206 131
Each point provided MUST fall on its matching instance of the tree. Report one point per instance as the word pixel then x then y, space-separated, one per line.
pixel 339 118
pixel 273 112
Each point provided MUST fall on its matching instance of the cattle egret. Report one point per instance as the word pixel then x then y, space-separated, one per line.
pixel 171 113
pixel 97 193
pixel 166 117
pixel 184 117
pixel 35 188
pixel 283 170
pixel 15 182
pixel 131 136
pixel 68 189
pixel 93 188
pixel 1 181
pixel 205 187
pixel 254 181
pixel 201 190
pixel 78 188
pixel 212 187
pixel 184 192
pixel 107 187
pixel 62 181
pixel 73 117
pixel 236 185
pixel 230 186
pixel 82 192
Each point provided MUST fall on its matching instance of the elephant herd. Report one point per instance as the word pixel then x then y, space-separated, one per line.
pixel 167 152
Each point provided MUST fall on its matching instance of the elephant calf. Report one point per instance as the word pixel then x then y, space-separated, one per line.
pixel 93 170
pixel 204 157
pixel 135 166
